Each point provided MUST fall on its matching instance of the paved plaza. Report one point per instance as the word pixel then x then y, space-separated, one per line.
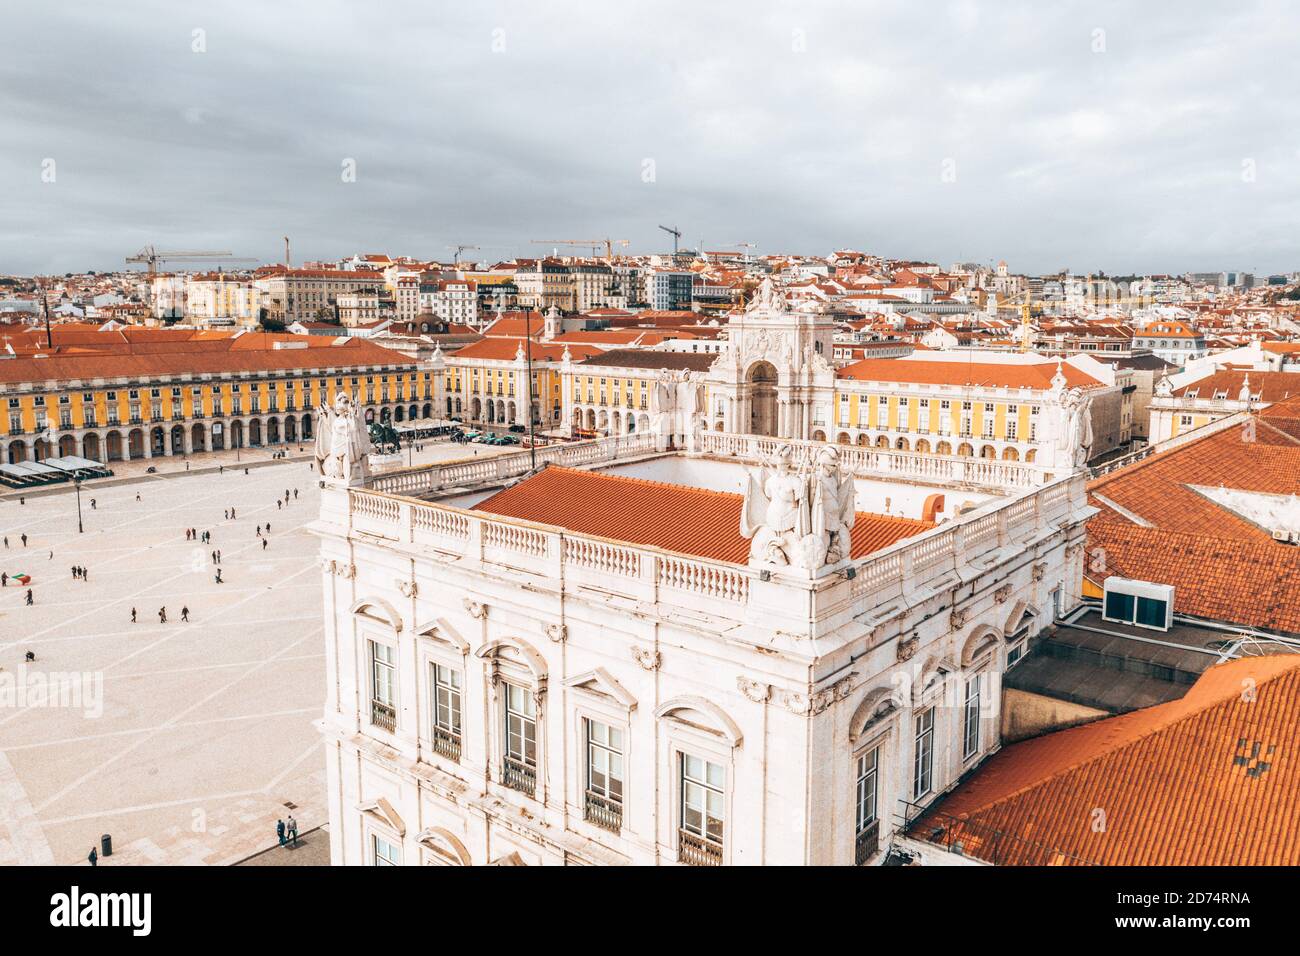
pixel 203 734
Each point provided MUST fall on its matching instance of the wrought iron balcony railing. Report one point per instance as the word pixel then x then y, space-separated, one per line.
pixel 604 812
pixel 383 715
pixel 446 743
pixel 518 775
pixel 866 843
pixel 694 850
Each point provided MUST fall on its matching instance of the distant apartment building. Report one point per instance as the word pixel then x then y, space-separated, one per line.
pixel 363 307
pixel 1175 342
pixel 296 295
pixel 454 301
pixel 544 284
pixel 214 299
pixel 669 289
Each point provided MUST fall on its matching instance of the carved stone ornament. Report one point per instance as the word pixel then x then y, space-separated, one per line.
pixel 408 588
pixel 1001 594
pixel 339 569
pixel 557 632
pixel 648 659
pixel 959 617
pixel 474 609
pixel 907 647
pixel 1039 570
pixel 756 691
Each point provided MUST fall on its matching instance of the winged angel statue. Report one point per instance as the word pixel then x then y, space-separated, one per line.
pixel 799 517
pixel 342 442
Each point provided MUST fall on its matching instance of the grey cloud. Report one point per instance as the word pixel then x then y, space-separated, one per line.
pixel 1127 160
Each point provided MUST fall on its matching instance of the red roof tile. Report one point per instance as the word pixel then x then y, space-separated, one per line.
pixel 673 517
pixel 1210 779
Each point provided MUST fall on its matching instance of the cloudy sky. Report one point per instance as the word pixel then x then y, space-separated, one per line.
pixel 1142 137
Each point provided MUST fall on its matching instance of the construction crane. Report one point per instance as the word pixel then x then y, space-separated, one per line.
pixel 459 248
pixel 746 246
pixel 593 244
pixel 675 233
pixel 150 257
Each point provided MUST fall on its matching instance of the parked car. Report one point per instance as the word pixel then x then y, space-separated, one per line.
pixel 518 428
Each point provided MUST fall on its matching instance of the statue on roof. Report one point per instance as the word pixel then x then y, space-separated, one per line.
pixel 767 298
pixel 798 517
pixel 342 442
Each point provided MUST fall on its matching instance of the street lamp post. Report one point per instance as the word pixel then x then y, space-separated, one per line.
pixel 76 482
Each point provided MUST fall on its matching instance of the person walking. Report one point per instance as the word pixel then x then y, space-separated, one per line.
pixel 259 530
pixel 23 538
pixel 295 494
pixel 279 831
pixel 268 527
pixel 30 602
pixel 185 613
pixel 4 579
pixel 132 615
pixel 85 575
pixel 232 514
pixel 219 581
pixel 263 544
pixel 92 504
pixel 278 504
pixel 6 541
pixel 293 830
pixel 137 496
pixel 162 615
pixel 93 857
pixel 226 514
pixel 218 555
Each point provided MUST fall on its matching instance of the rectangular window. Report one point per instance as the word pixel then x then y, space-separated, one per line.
pixel 923 417
pixel 882 413
pixel 386 854
pixel 604 797
pixel 867 828
pixel 446 711
pixel 519 764
pixel 971 714
pixel 923 755
pixel 383 682
pixel 703 786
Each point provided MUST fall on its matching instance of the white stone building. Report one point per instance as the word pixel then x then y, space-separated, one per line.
pixel 584 666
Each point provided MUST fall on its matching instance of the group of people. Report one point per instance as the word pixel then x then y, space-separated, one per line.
pixel 193 535
pixel 287 833
pixel 80 572
pixel 162 614
pixel 22 537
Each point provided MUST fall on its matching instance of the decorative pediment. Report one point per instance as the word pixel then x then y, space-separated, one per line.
pixel 441 630
pixel 515 650
pixel 378 610
pixel 709 717
pixel 599 681
pixel 1023 614
pixel 382 812
pixel 875 707
pixel 981 641
pixel 445 844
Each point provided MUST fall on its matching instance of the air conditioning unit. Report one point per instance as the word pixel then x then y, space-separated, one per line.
pixel 1139 603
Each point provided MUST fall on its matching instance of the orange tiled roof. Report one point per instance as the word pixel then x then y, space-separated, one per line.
pixel 986 374
pixel 505 350
pixel 1210 779
pixel 151 359
pixel 1158 490
pixel 678 518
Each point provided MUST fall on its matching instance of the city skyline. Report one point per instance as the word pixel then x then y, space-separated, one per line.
pixel 1096 138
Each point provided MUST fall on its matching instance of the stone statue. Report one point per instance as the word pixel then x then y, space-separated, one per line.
pixel 775 513
pixel 833 506
pixel 799 518
pixel 1074 435
pixel 342 442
